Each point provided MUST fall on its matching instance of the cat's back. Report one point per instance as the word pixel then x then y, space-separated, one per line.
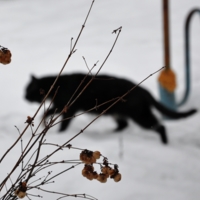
pixel 100 84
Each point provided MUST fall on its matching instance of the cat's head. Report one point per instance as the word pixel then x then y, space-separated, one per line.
pixel 33 93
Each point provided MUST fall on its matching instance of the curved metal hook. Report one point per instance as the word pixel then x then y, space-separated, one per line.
pixel 187 56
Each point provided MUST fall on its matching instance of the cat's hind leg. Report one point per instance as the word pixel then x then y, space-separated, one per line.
pixel 121 123
pixel 148 120
pixel 66 119
pixel 162 132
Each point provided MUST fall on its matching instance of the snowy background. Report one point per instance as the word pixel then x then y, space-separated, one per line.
pixel 38 34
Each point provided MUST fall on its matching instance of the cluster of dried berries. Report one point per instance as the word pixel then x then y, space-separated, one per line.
pixel 5 55
pixel 21 191
pixel 107 172
pixel 89 157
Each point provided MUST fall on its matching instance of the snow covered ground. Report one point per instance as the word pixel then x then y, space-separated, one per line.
pixel 38 33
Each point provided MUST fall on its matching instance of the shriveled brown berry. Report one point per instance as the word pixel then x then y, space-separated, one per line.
pixel 93 159
pixel 87 174
pixel 102 178
pixel 82 156
pixel 89 168
pixel 5 56
pixel 111 172
pixel 84 172
pixel 95 175
pixel 96 154
pixel 20 194
pixel 117 177
pixel 90 176
pixel 23 186
pixel 87 157
pixel 105 170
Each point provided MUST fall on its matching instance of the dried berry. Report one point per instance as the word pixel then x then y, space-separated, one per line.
pixel 20 194
pixel 84 172
pixel 96 154
pixel 23 186
pixel 95 175
pixel 102 178
pixel 117 177
pixel 87 157
pixel 88 172
pixel 89 168
pixel 89 175
pixel 105 170
pixel 111 172
pixel 5 55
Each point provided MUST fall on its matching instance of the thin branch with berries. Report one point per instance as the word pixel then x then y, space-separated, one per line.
pixel 30 160
pixel 33 162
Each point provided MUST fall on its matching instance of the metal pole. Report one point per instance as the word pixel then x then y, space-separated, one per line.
pixel 187 55
pixel 166 34
pixel 167 96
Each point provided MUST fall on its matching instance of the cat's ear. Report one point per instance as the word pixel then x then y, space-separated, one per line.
pixel 33 78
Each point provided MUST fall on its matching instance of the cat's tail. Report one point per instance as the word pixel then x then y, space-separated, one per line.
pixel 171 113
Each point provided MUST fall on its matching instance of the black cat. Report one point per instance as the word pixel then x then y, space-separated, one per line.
pixel 136 105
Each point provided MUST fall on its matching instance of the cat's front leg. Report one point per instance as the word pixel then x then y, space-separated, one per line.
pixel 67 117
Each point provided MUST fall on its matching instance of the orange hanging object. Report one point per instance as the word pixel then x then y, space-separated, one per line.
pixel 5 55
pixel 167 79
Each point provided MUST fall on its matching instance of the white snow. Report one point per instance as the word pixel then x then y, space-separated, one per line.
pixel 38 33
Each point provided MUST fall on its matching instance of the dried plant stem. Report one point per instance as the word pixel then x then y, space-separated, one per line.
pixel 63 171
pixel 66 61
pixel 25 129
pixel 119 31
pixel 69 195
pixel 68 105
pixel 35 163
